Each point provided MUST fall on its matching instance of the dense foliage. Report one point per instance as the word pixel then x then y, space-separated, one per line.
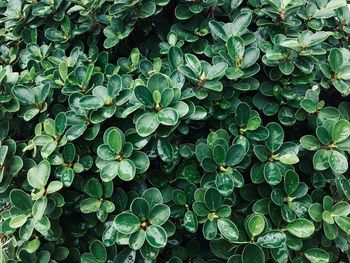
pixel 174 131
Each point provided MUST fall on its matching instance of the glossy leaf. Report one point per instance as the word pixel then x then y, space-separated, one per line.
pixel 228 229
pixel 272 239
pixel 156 236
pixel 302 228
pixel 147 124
pixel 126 223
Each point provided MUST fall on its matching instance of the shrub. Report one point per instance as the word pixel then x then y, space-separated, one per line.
pixel 174 131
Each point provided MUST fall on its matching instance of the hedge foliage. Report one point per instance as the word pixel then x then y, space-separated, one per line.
pixel 174 131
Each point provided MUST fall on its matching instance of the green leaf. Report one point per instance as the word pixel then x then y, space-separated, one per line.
pixel 335 4
pixel 301 227
pixel 214 85
pixel 168 116
pixel 159 214
pixel 274 55
pixel 316 255
pixel 318 15
pixel 175 57
pixel 341 85
pixel 89 205
pixel 224 183
pixel 291 43
pixel 53 187
pixel 310 142
pixel 272 173
pixel 140 208
pixel 111 39
pixel 327 217
pixel 126 223
pixel 344 73
pixel 144 95
pixel 240 23
pixel 54 35
pixel 335 59
pixel 17 221
pixel 341 209
pixel 109 171
pixel 272 239
pixel 157 82
pixel 261 152
pixel 309 106
pixel 166 97
pixel 194 64
pixel 188 73
pixel 235 48
pixel 338 162
pixel 91 102
pixel 344 223
pixel 148 252
pixel 63 70
pixel 147 123
pixel 315 212
pixel 156 97
pixel 40 10
pixel 88 258
pixel 341 130
pixel 182 12
pixel 24 94
pixel 255 225
pixel 251 56
pixel 228 229
pixel 20 200
pixel 98 251
pixel 317 38
pixel 276 136
pixel 216 71
pixel 212 199
pixel 288 158
pixel 67 177
pixel 137 239
pixel 235 155
pixel 115 140
pixel 141 161
pixel 156 236
pixel 61 253
pixel 252 254
pixel 219 154
pixel 291 182
pixel 165 150
pixel 126 170
pixel 217 30
pixel 190 222
pixel 242 114
pixel 146 10
pixel 210 229
pixel 114 85
pixel 75 131
pixel 93 188
pixel 39 208
pixel 286 67
pixel 321 160
pixel 153 196
pixel 330 230
pixel 43 172
pixel 60 123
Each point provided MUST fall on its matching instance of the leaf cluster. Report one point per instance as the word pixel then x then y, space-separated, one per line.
pixel 174 131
